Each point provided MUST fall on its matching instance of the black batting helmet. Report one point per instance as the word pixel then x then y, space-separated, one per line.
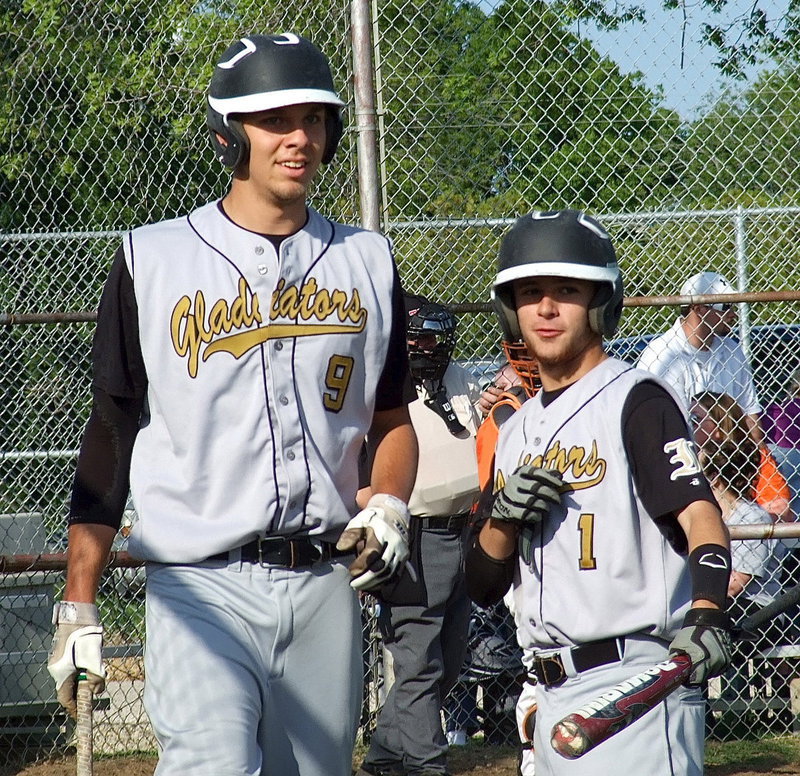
pixel 260 72
pixel 431 337
pixel 560 243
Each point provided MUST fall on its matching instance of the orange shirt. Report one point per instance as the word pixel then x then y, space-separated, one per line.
pixel 506 405
pixel 772 490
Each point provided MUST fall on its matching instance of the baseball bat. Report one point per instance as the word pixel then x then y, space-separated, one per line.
pixel 83 728
pixel 57 561
pixel 612 711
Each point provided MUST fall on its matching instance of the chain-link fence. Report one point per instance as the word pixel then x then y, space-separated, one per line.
pixel 483 111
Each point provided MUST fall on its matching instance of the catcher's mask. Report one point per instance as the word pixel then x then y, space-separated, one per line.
pixel 261 72
pixel 523 364
pixel 559 243
pixel 431 338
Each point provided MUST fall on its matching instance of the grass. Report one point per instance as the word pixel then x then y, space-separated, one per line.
pixel 761 755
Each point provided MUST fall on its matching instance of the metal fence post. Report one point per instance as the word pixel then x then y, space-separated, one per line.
pixel 364 94
pixel 741 277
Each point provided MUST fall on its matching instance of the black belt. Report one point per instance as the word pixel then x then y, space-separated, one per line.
pixel 549 669
pixel 445 522
pixel 280 551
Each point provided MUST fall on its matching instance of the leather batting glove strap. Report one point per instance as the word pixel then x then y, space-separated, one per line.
pixel 705 637
pixel 527 496
pixel 77 647
pixel 379 534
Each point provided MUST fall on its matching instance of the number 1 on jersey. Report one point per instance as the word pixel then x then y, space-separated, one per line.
pixel 587 560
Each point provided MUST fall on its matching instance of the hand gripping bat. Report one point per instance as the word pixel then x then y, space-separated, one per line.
pixel 614 710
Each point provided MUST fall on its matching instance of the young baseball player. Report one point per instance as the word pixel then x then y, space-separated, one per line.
pixel 602 519
pixel 242 353
pixel 424 619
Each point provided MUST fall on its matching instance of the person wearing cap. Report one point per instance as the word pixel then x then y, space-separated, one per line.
pixel 698 354
pixel 424 615
pixel 242 354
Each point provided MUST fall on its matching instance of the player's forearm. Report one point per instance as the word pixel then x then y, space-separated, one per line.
pixel 702 523
pixel 489 568
pixel 709 553
pixel 87 555
pixel 498 539
pixel 394 453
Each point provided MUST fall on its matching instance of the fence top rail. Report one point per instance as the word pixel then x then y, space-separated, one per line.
pixel 88 316
pixel 737 211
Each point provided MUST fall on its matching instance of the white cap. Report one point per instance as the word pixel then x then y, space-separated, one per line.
pixel 706 283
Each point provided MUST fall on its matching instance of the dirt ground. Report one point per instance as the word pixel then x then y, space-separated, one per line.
pixel 474 760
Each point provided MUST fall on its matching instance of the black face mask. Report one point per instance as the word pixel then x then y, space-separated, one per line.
pixel 440 404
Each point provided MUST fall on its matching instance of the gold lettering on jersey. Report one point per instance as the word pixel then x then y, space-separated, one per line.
pixel 579 468
pixel 194 333
pixel 190 329
pixel 310 302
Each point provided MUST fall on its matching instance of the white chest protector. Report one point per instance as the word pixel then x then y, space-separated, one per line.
pixel 262 376
pixel 600 566
pixel 447 473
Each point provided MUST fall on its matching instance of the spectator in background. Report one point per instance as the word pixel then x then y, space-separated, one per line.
pixel 769 488
pixel 697 354
pixel 730 461
pixel 781 423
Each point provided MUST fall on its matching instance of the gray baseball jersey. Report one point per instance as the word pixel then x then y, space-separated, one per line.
pixel 262 372
pixel 600 548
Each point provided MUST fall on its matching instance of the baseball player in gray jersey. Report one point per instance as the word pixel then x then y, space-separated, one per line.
pixel 242 354
pixel 602 520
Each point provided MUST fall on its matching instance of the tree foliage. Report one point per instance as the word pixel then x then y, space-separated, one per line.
pixel 503 110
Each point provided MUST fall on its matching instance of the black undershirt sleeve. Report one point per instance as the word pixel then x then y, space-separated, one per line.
pixel 117 362
pixel 662 457
pixel 488 579
pixel 100 487
pixel 395 387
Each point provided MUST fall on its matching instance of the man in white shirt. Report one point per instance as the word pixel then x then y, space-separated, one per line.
pixel 697 354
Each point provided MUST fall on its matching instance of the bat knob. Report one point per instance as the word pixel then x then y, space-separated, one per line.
pixel 568 739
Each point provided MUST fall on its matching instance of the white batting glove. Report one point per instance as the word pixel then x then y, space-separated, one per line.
pixel 77 647
pixel 379 534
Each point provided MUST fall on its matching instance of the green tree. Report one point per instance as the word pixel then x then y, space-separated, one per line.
pixel 746 149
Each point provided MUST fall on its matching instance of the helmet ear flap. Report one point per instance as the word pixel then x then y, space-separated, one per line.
pixel 605 309
pixel 505 309
pixel 236 148
pixel 334 129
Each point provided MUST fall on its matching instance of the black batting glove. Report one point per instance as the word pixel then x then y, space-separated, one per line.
pixel 527 496
pixel 705 637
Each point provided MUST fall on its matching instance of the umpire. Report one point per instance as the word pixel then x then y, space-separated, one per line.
pixel 424 620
